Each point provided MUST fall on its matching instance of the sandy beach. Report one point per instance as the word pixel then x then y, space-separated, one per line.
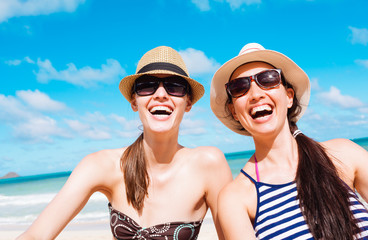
pixel 97 231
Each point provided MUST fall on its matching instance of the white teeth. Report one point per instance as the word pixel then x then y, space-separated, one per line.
pixel 160 108
pixel 260 108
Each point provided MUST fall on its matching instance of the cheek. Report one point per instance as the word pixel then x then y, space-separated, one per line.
pixel 142 101
pixel 238 107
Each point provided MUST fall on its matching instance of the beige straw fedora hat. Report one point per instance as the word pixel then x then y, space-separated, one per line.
pixel 254 52
pixel 163 60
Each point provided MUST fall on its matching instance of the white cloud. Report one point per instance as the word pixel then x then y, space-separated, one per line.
pixel 334 97
pixel 28 124
pixel 360 35
pixel 128 125
pixel 192 127
pixel 38 129
pixel 76 125
pixel 28 29
pixel 86 76
pixel 361 122
pixel 28 60
pixel 197 62
pixel 95 117
pixel 17 62
pixel 11 109
pixel 87 131
pixel 17 8
pixel 129 134
pixel 203 5
pixel 311 115
pixel 40 101
pixel 314 84
pixel 362 62
pixel 31 125
pixel 235 4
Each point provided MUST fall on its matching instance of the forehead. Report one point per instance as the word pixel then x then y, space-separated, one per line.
pixel 249 69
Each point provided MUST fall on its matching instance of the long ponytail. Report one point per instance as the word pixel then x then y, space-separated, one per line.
pixel 323 196
pixel 133 164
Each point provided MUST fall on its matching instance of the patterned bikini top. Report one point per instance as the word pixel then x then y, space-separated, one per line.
pixel 123 227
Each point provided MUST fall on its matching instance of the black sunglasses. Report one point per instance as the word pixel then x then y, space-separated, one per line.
pixel 266 80
pixel 147 85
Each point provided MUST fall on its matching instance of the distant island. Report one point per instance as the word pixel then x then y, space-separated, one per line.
pixel 10 175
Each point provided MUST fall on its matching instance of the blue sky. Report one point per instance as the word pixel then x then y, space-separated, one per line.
pixel 61 62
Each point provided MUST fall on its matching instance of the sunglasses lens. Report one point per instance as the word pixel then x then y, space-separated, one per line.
pixel 238 87
pixel 146 85
pixel 176 86
pixel 269 79
pixel 266 80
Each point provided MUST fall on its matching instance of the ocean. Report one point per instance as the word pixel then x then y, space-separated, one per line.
pixel 22 199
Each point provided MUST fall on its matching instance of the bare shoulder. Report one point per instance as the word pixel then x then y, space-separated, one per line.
pixel 339 144
pixel 100 168
pixel 208 155
pixel 240 192
pixel 347 154
pixel 237 204
pixel 211 165
pixel 107 158
pixel 344 149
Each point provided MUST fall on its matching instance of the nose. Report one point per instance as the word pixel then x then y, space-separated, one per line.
pixel 255 93
pixel 160 92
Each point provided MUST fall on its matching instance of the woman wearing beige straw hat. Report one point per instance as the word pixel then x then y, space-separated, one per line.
pixel 292 187
pixel 157 189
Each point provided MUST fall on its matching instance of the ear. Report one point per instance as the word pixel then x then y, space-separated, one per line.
pixel 290 95
pixel 232 110
pixel 189 105
pixel 133 104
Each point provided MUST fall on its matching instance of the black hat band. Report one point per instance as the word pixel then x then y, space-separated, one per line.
pixel 163 66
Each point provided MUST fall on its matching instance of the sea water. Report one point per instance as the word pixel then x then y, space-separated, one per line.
pixel 22 199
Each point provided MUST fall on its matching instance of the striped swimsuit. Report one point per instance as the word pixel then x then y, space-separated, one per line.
pixel 279 215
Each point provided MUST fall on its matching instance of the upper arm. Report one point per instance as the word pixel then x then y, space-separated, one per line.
pixel 355 162
pixel 85 179
pixel 361 170
pixel 218 174
pixel 233 215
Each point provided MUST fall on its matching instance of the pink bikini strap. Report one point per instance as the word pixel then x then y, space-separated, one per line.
pixel 257 173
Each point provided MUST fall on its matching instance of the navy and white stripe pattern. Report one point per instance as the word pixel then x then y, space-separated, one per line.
pixel 279 215
pixel 361 214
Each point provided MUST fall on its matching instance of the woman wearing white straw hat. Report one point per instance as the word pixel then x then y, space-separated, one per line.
pixel 157 189
pixel 292 187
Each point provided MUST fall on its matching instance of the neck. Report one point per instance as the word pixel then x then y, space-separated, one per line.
pixel 279 149
pixel 160 148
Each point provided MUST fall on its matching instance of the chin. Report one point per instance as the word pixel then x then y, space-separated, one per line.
pixel 162 128
pixel 263 131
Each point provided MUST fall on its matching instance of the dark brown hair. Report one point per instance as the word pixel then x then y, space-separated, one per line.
pixel 323 196
pixel 133 164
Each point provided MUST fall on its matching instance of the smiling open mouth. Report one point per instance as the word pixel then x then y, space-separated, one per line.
pixel 261 111
pixel 161 110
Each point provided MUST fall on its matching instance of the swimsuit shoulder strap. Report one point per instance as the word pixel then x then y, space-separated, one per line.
pixel 248 176
pixel 257 173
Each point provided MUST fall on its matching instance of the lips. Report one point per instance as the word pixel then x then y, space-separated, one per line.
pixel 261 111
pixel 161 111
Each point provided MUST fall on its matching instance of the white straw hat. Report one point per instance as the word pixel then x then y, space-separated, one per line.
pixel 164 60
pixel 254 52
